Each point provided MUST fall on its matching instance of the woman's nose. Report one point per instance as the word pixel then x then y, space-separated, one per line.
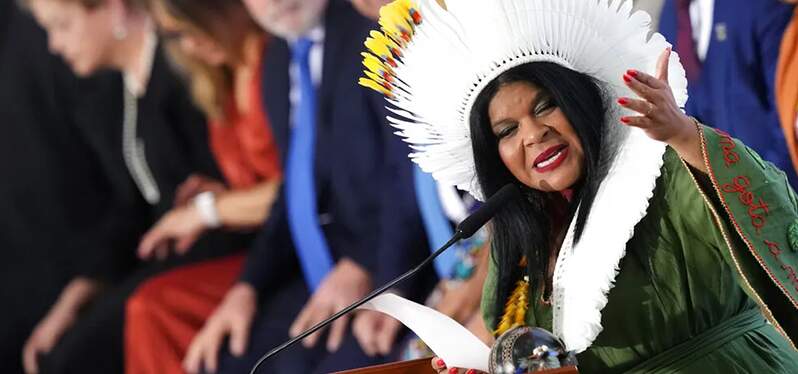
pixel 533 133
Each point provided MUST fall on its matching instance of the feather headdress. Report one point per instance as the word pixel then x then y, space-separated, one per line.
pixel 431 63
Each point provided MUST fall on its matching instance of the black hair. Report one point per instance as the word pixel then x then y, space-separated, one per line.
pixel 523 228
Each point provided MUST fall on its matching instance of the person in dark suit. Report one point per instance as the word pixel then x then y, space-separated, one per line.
pixel 289 282
pixel 731 52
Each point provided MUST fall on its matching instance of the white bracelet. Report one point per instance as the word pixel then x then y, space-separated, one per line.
pixel 206 206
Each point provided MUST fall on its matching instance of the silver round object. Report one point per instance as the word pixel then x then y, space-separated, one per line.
pixel 527 349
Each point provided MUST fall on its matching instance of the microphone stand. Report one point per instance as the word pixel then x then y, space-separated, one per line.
pixel 457 236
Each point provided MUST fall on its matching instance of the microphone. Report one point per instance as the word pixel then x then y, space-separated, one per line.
pixel 464 230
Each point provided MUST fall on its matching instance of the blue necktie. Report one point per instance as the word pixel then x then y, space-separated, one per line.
pixel 438 227
pixel 303 219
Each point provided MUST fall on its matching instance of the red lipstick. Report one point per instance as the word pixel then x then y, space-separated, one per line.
pixel 551 158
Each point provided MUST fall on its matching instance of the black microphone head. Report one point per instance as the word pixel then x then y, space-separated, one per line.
pixel 479 218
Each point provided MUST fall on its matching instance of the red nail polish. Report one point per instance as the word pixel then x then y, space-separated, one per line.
pixel 453 371
pixel 632 73
pixel 440 363
pixel 627 78
pixel 471 371
pixel 625 119
pixel 623 101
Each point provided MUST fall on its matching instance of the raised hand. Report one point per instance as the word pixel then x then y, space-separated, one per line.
pixel 661 118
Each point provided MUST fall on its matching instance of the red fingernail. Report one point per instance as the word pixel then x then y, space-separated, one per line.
pixel 440 363
pixel 625 119
pixel 471 371
pixel 627 78
pixel 631 72
pixel 453 371
pixel 623 101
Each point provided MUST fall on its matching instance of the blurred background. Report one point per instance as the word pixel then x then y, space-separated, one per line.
pixel 188 183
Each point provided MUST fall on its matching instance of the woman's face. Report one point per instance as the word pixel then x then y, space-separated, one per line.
pixel 536 142
pixel 82 37
pixel 191 41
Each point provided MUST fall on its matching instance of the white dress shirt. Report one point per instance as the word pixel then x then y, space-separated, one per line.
pixel 701 14
pixel 316 63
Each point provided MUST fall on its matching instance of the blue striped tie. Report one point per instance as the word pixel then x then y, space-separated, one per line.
pixel 303 219
pixel 437 226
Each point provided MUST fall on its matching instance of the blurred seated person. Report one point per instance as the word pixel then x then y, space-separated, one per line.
pixel 53 190
pixel 221 48
pixel 787 86
pixel 151 139
pixel 317 252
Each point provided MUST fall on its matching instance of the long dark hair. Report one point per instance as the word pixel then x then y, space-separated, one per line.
pixel 524 228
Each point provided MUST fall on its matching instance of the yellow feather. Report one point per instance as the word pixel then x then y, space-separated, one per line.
pixel 368 83
pixel 515 309
pixel 390 43
pixel 378 48
pixel 375 65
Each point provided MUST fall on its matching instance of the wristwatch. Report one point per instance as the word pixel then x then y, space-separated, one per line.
pixel 206 206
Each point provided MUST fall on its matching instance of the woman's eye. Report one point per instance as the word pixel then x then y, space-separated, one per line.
pixel 544 107
pixel 506 131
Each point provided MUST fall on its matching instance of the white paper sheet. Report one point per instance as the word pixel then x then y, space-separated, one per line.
pixel 450 341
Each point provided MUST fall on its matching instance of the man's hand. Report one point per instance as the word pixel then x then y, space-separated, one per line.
pixel 234 318
pixel 181 226
pixel 459 303
pixel 345 284
pixel 375 331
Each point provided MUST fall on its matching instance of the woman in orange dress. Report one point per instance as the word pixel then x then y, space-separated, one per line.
pixel 221 48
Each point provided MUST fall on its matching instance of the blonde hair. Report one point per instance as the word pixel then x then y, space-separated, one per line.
pixel 227 23
pixel 211 86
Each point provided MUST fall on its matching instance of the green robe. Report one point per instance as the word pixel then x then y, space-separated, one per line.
pixel 710 251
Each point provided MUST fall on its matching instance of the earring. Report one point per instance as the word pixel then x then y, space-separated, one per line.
pixel 120 32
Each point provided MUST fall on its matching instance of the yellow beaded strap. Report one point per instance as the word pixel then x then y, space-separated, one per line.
pixel 515 309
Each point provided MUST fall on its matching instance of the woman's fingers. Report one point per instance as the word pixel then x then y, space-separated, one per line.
pixel 438 365
pixel 646 86
pixel 641 89
pixel 641 106
pixel 637 121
